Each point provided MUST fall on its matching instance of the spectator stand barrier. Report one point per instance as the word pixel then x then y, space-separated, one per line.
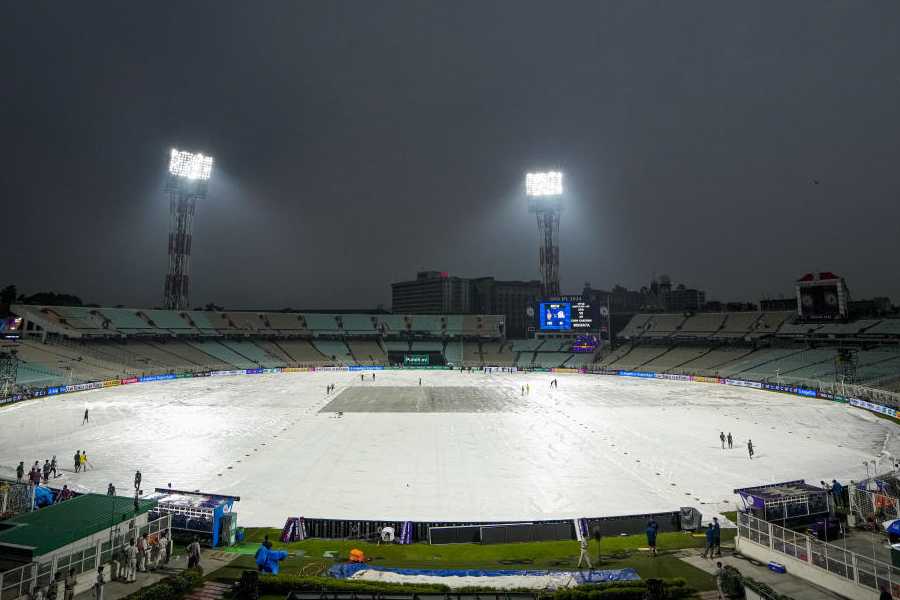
pixel 868 573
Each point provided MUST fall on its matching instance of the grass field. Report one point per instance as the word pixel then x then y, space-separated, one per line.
pixel 308 557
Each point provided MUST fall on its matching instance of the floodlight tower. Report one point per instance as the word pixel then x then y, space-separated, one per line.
pixel 544 191
pixel 187 182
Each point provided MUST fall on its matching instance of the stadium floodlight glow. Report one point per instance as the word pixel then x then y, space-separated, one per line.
pixel 190 165
pixel 549 183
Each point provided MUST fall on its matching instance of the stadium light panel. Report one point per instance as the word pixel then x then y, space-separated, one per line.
pixel 544 184
pixel 190 165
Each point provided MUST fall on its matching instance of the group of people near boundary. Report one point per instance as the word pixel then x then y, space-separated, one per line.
pixel 141 555
pixel 38 474
pixel 728 439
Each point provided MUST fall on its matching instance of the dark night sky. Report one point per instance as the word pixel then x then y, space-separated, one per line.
pixel 357 142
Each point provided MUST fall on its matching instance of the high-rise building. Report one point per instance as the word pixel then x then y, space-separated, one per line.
pixel 509 298
pixel 431 293
pixel 436 292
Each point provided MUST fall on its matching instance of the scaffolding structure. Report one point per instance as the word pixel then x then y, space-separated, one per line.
pixel 9 369
pixel 845 363
pixel 186 183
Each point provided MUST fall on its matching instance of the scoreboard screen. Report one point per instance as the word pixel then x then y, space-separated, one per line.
pixel 582 316
pixel 575 315
pixel 556 316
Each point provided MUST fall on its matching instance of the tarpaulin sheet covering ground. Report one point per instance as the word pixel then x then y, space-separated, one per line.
pixel 501 578
pixel 596 446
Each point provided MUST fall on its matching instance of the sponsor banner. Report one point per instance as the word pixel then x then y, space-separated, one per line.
pixel 111 383
pixel 11 399
pixel 833 397
pixel 52 391
pixel 252 371
pixel 743 383
pixel 273 370
pixel 884 410
pixel 564 370
pixel 297 370
pixel 331 369
pixel 643 374
pixel 160 377
pixel 789 389
pixel 673 377
pixel 500 369
pixel 198 374
pixel 187 374
pixel 366 368
pixel 128 380
pixel 226 373
pixel 705 379
pixel 80 387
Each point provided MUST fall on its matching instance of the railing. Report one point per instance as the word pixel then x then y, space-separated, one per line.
pixel 864 571
pixel 866 503
pixel 23 579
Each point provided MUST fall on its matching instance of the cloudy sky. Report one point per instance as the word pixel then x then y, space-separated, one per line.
pixel 731 145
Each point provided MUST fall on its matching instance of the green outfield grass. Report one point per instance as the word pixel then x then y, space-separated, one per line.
pixel 307 557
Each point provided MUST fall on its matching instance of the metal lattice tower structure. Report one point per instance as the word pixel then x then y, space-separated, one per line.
pixel 9 369
pixel 845 367
pixel 544 191
pixel 187 182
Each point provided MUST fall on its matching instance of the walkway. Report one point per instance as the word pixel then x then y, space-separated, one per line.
pixel 210 560
pixel 787 584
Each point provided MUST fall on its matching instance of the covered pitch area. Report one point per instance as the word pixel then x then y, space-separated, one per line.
pixel 458 447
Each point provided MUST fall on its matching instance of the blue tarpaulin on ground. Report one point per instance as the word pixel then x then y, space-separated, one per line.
pixel 43 496
pixel 346 570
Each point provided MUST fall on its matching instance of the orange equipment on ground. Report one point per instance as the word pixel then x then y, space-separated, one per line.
pixel 357 556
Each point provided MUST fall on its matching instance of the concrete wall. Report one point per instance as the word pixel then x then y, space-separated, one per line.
pixel 805 570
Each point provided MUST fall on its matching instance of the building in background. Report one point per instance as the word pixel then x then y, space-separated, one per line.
pixel 509 298
pixel 431 293
pixel 823 297
pixel 778 304
pixel 437 293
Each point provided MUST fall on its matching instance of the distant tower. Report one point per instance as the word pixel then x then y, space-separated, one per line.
pixel 187 181
pixel 544 191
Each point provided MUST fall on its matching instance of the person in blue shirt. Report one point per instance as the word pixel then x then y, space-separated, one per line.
pixel 717 537
pixel 652 529
pixel 837 490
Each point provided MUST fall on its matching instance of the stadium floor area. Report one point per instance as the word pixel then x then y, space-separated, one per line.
pixel 596 446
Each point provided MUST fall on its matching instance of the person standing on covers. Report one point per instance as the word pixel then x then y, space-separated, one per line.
pixel 110 489
pixel 652 530
pixel 35 474
pixel 84 461
pixel 77 459
pixel 20 471
pixel 730 441
pixel 722 439
pixel 85 419
pixel 45 471
pixel 750 448
pixel 53 467
pixel 137 480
